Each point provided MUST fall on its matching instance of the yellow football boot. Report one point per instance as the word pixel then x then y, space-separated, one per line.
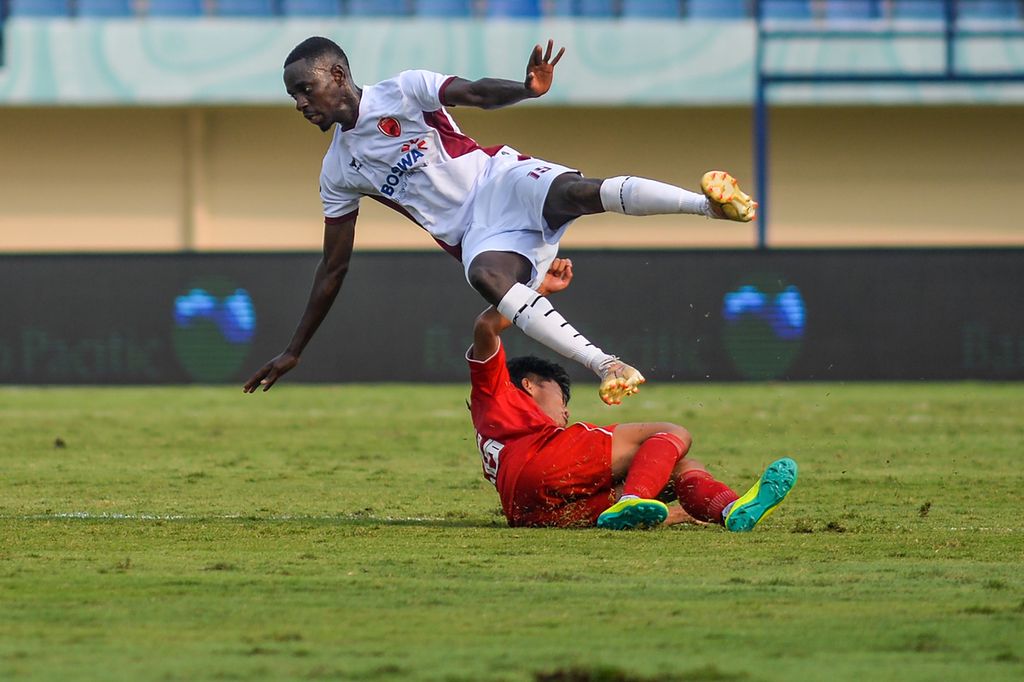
pixel 619 381
pixel 727 197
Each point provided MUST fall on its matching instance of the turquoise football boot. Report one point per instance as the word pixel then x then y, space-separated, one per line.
pixel 633 512
pixel 761 500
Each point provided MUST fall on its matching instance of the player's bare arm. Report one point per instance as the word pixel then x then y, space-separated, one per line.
pixel 330 274
pixel 491 93
pixel 490 323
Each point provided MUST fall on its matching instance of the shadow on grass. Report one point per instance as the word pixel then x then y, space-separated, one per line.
pixel 610 674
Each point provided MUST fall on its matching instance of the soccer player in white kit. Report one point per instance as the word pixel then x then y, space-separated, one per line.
pixel 499 212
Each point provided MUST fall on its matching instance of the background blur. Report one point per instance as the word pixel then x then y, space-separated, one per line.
pixel 144 126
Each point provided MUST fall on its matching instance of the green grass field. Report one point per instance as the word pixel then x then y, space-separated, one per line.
pixel 345 533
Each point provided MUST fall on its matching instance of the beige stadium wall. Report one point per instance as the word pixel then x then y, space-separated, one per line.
pixel 157 179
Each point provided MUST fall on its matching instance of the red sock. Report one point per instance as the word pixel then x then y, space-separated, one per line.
pixel 702 497
pixel 652 465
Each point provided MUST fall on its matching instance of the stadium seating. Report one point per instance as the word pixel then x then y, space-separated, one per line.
pixel 641 9
pixel 513 8
pixel 917 9
pixel 38 8
pixel 716 9
pixel 105 8
pixel 443 8
pixel 831 10
pixel 582 8
pixel 786 9
pixel 989 9
pixel 175 8
pixel 245 8
pixel 310 8
pixel 846 10
pixel 595 8
pixel 377 8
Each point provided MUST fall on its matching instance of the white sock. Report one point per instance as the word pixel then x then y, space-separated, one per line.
pixel 728 508
pixel 533 313
pixel 639 196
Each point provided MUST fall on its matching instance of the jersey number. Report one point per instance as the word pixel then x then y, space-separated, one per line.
pixel 536 172
pixel 490 453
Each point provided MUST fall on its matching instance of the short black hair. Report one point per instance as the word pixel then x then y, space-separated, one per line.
pixel 314 48
pixel 521 367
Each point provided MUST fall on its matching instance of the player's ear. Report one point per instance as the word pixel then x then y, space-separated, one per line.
pixel 338 73
pixel 526 385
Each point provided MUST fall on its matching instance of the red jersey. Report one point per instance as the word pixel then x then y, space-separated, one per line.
pixel 506 419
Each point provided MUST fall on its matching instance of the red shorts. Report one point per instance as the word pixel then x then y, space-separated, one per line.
pixel 565 482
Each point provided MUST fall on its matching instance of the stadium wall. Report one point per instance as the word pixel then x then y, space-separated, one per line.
pixel 149 178
pixel 175 134
pixel 719 315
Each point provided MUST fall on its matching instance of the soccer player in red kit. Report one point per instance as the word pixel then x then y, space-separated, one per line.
pixel 552 473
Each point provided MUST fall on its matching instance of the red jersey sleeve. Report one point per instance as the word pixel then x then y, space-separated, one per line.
pixel 500 410
pixel 488 377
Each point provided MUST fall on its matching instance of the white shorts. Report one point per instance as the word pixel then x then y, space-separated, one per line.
pixel 508 214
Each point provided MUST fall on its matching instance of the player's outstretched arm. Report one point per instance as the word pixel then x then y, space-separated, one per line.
pixel 330 274
pixel 491 93
pixel 490 323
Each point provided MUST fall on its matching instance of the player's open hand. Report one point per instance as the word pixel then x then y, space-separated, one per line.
pixel 557 278
pixel 271 372
pixel 541 69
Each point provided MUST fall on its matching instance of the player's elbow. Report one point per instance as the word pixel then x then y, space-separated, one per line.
pixel 480 102
pixel 484 325
pixel 482 97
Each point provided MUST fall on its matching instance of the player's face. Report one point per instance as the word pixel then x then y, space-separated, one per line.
pixel 322 93
pixel 548 396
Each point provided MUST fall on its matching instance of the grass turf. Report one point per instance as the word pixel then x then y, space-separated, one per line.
pixel 346 533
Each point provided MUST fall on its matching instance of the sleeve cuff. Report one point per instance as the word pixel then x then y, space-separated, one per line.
pixel 443 89
pixel 482 362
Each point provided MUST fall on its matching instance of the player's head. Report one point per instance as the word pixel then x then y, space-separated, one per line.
pixel 546 382
pixel 317 76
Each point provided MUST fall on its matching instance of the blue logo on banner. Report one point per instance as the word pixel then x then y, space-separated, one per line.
pixel 214 323
pixel 764 321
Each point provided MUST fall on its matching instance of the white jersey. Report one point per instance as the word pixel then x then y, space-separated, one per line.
pixel 406 151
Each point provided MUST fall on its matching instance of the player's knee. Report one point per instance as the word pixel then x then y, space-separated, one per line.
pixel 584 195
pixel 573 194
pixel 679 433
pixel 491 282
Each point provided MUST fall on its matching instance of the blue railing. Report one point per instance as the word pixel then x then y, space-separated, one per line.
pixel 946 21
pixel 829 10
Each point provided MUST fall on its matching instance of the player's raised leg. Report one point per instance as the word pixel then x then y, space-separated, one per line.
pixel 572 196
pixel 501 278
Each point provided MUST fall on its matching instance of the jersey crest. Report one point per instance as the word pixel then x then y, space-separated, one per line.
pixel 389 126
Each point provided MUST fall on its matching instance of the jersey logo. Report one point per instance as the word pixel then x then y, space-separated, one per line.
pixel 412 151
pixel 389 126
pixel 415 142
